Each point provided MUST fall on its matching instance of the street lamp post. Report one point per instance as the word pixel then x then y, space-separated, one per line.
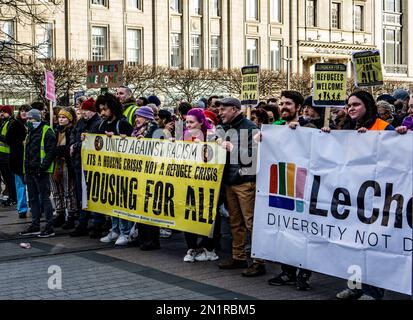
pixel 288 59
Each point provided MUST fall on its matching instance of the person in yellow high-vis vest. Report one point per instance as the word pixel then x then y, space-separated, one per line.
pixel 6 114
pixel 124 94
pixel 38 167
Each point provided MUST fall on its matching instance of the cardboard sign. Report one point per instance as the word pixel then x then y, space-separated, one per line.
pixel 77 95
pixel 50 86
pixel 330 84
pixel 367 69
pixel 250 85
pixel 104 74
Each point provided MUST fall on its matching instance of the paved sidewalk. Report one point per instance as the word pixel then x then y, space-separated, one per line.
pixel 92 270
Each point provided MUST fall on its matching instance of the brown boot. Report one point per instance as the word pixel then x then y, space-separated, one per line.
pixel 254 270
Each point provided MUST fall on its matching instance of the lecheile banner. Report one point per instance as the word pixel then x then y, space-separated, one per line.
pixel 339 204
pixel 158 182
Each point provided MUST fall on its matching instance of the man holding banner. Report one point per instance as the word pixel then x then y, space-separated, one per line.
pixel 239 180
pixel 290 103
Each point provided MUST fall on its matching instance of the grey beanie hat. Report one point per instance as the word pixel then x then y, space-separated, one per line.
pixel 34 114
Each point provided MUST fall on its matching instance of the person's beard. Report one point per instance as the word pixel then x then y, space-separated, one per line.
pixel 286 115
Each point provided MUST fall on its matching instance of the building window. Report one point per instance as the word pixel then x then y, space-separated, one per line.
pixel 176 5
pixel 196 51
pixel 311 13
pixel 134 45
pixel 359 18
pixel 215 52
pixel 99 43
pixel 393 6
pixel 44 40
pixel 335 15
pixel 176 57
pixel 135 4
pixel 392 47
pixel 252 52
pixel 275 55
pixel 196 7
pixel 215 7
pixel 252 10
pixel 7 38
pixel 275 10
pixel 100 2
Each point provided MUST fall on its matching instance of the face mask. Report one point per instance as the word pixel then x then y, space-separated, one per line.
pixel 32 125
pixel 29 125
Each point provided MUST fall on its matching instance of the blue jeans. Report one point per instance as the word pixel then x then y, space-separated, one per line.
pixel 21 194
pixel 39 194
pixel 121 226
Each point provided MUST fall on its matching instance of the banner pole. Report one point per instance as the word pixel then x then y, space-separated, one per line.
pixel 51 113
pixel 249 112
pixel 327 117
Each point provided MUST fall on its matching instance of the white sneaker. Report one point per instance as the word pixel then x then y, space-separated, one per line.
pixel 206 255
pixel 165 233
pixel 348 294
pixel 366 297
pixel 112 236
pixel 122 240
pixel 190 255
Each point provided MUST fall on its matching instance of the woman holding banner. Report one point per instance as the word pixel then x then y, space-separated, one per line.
pixel 145 127
pixel 114 123
pixel 196 130
pixel 363 117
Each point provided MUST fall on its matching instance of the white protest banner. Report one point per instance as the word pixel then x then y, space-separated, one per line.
pixel 333 202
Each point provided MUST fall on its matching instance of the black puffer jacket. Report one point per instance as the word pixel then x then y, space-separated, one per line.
pixel 82 126
pixel 237 171
pixel 33 143
pixel 15 137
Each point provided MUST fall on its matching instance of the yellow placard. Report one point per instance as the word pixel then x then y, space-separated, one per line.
pixel 330 84
pixel 367 68
pixel 158 182
pixel 250 85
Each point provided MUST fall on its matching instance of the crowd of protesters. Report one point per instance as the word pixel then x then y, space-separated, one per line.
pixel 46 160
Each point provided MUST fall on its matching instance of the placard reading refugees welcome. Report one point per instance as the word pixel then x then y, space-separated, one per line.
pixel 339 204
pixel 330 84
pixel 104 74
pixel 168 184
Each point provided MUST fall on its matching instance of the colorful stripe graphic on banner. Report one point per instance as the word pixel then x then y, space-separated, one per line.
pixel 287 185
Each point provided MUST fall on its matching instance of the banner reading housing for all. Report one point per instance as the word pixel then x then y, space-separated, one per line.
pixel 339 204
pixel 158 182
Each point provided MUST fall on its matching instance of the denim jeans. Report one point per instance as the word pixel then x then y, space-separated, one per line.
pixel 21 194
pixel 121 226
pixel 38 188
